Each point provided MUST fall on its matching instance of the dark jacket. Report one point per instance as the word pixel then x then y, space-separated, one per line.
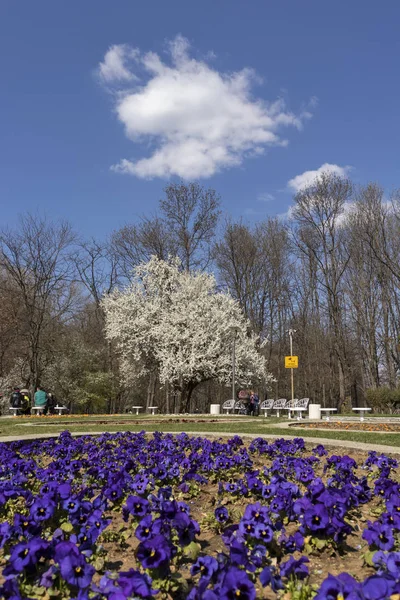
pixel 16 399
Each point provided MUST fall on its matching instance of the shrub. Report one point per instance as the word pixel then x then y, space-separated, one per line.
pixel 383 399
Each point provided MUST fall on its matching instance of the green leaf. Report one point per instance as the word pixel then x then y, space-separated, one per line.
pixel 192 550
pixel 319 544
pixel 157 583
pixel 99 563
pixel 67 527
pixel 368 558
pixel 35 590
pixel 181 581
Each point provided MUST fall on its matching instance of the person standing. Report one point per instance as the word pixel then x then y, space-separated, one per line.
pixel 16 399
pixel 251 407
pixel 256 405
pixel 40 398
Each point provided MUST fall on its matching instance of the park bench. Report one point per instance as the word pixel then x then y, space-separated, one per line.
pixel 152 409
pixel 279 405
pixel 362 411
pixel 297 406
pixel 267 405
pixel 137 408
pixel 328 412
pixel 15 411
pixel 241 407
pixel 228 405
pixel 60 409
pixel 290 406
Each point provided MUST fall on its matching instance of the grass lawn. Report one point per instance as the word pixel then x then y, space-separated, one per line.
pixel 193 423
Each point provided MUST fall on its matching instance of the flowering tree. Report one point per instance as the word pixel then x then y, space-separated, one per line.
pixel 176 323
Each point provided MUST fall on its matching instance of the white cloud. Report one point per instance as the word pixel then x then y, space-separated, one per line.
pixel 286 216
pixel 114 67
pixel 251 212
pixel 301 181
pixel 265 197
pixel 348 208
pixel 198 120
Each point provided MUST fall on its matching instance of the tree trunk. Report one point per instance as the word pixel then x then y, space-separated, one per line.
pixel 167 409
pixel 185 396
pixel 183 400
pixel 151 389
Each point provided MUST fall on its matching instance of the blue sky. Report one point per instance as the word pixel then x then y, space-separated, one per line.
pixel 102 103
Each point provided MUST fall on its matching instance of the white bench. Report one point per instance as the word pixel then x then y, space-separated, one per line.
pixel 152 408
pixel 290 406
pixel 228 405
pixel 279 404
pixel 328 411
pixel 38 409
pixel 362 411
pixel 299 410
pixel 266 405
pixel 241 407
pixel 15 411
pixel 60 409
pixel 297 406
pixel 137 408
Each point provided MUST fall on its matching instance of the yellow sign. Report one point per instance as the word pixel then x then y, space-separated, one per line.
pixel 291 362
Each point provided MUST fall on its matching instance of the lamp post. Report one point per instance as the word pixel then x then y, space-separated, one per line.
pixel 234 330
pixel 291 332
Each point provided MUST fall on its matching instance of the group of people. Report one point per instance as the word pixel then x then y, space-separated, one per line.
pixel 253 407
pixel 20 399
pixel 250 402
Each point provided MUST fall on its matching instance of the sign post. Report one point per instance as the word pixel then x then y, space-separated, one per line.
pixel 291 362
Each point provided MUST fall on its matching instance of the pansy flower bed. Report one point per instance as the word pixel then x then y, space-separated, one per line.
pixel 128 515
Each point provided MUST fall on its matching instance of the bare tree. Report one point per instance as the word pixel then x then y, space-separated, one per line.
pixel 191 214
pixel 134 244
pixel 12 320
pixel 256 266
pixel 96 267
pixel 184 227
pixel 35 258
pixel 236 257
pixel 375 227
pixel 318 212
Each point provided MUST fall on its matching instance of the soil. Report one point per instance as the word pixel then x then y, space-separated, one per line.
pixel 131 422
pixel 120 556
pixel 321 563
pixel 352 426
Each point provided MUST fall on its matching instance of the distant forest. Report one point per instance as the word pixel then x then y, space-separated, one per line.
pixel 330 271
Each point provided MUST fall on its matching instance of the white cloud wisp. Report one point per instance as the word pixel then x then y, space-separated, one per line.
pixel 114 66
pixel 308 177
pixel 198 120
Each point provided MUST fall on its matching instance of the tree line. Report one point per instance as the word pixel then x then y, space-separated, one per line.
pixel 331 272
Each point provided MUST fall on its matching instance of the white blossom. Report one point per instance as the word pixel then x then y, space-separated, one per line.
pixel 177 323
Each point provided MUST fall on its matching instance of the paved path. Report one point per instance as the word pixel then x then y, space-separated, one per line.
pixel 309 440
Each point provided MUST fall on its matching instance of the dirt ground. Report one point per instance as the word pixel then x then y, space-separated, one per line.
pixel 351 426
pixel 321 564
pixel 119 554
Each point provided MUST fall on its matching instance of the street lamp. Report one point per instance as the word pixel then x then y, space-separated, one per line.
pixel 234 330
pixel 291 332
